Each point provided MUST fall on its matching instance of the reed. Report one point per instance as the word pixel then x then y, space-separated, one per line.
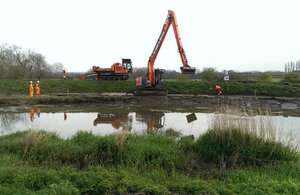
pixel 238 138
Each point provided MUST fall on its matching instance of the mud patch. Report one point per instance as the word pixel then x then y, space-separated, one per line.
pixel 289 106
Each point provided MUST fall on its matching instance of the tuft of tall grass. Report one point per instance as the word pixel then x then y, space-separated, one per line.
pixel 235 118
pixel 120 138
pixel 85 149
pixel 33 138
pixel 236 143
pixel 236 139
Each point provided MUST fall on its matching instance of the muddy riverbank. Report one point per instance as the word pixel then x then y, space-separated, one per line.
pixel 245 101
pixel 254 102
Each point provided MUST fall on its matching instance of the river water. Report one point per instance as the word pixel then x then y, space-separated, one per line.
pixel 65 121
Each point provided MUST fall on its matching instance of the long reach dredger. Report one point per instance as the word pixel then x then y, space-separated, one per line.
pixel 153 81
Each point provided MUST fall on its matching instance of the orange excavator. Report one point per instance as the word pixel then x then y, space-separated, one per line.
pixel 117 71
pixel 154 77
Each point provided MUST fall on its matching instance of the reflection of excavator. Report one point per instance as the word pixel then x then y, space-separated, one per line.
pixel 154 119
pixel 154 77
pixel 117 121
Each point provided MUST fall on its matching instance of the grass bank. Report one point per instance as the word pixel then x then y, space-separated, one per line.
pixel 218 162
pixel 18 87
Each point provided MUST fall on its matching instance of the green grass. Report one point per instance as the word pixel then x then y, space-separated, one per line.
pixel 17 87
pixel 42 163
pixel 276 80
pixel 235 148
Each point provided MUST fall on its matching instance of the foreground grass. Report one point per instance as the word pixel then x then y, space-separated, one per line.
pixel 218 162
pixel 17 87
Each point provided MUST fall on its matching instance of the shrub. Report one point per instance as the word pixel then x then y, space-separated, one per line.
pixel 264 77
pixel 292 77
pixel 209 75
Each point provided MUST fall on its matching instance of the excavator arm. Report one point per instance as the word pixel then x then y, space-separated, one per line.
pixel 171 19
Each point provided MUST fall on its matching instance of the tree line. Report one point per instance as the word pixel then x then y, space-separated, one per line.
pixel 18 63
pixel 210 74
pixel 207 74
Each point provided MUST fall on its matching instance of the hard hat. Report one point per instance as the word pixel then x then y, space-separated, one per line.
pixel 38 81
pixel 30 81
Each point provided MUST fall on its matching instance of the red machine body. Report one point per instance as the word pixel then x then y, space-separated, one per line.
pixel 117 71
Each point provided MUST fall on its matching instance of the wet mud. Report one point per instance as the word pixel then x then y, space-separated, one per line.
pixel 251 102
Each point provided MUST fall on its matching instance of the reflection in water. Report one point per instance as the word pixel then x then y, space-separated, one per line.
pixel 65 116
pixel 8 120
pixel 191 117
pixel 31 115
pixel 38 113
pixel 116 120
pixel 66 123
pixel 153 119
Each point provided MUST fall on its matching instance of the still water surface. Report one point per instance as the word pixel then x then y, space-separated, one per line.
pixel 66 121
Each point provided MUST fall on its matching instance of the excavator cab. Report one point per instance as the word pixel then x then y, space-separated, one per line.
pixel 159 77
pixel 127 64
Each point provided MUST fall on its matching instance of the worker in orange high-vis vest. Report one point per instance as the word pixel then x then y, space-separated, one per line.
pixel 64 74
pixel 219 89
pixel 37 88
pixel 31 90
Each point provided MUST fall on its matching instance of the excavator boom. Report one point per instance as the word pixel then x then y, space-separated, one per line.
pixel 171 19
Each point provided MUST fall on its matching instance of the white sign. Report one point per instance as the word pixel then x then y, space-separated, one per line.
pixel 226 77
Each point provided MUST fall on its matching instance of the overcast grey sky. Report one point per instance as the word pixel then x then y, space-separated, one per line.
pixel 236 35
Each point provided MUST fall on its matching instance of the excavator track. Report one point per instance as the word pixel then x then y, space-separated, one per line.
pixel 150 92
pixel 113 77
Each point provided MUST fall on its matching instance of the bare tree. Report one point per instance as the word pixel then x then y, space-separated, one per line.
pixel 16 63
pixel 139 72
pixel 38 65
pixel 56 69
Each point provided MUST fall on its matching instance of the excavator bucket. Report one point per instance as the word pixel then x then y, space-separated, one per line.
pixel 187 70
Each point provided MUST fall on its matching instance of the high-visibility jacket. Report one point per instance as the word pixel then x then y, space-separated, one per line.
pixel 37 89
pixel 31 89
